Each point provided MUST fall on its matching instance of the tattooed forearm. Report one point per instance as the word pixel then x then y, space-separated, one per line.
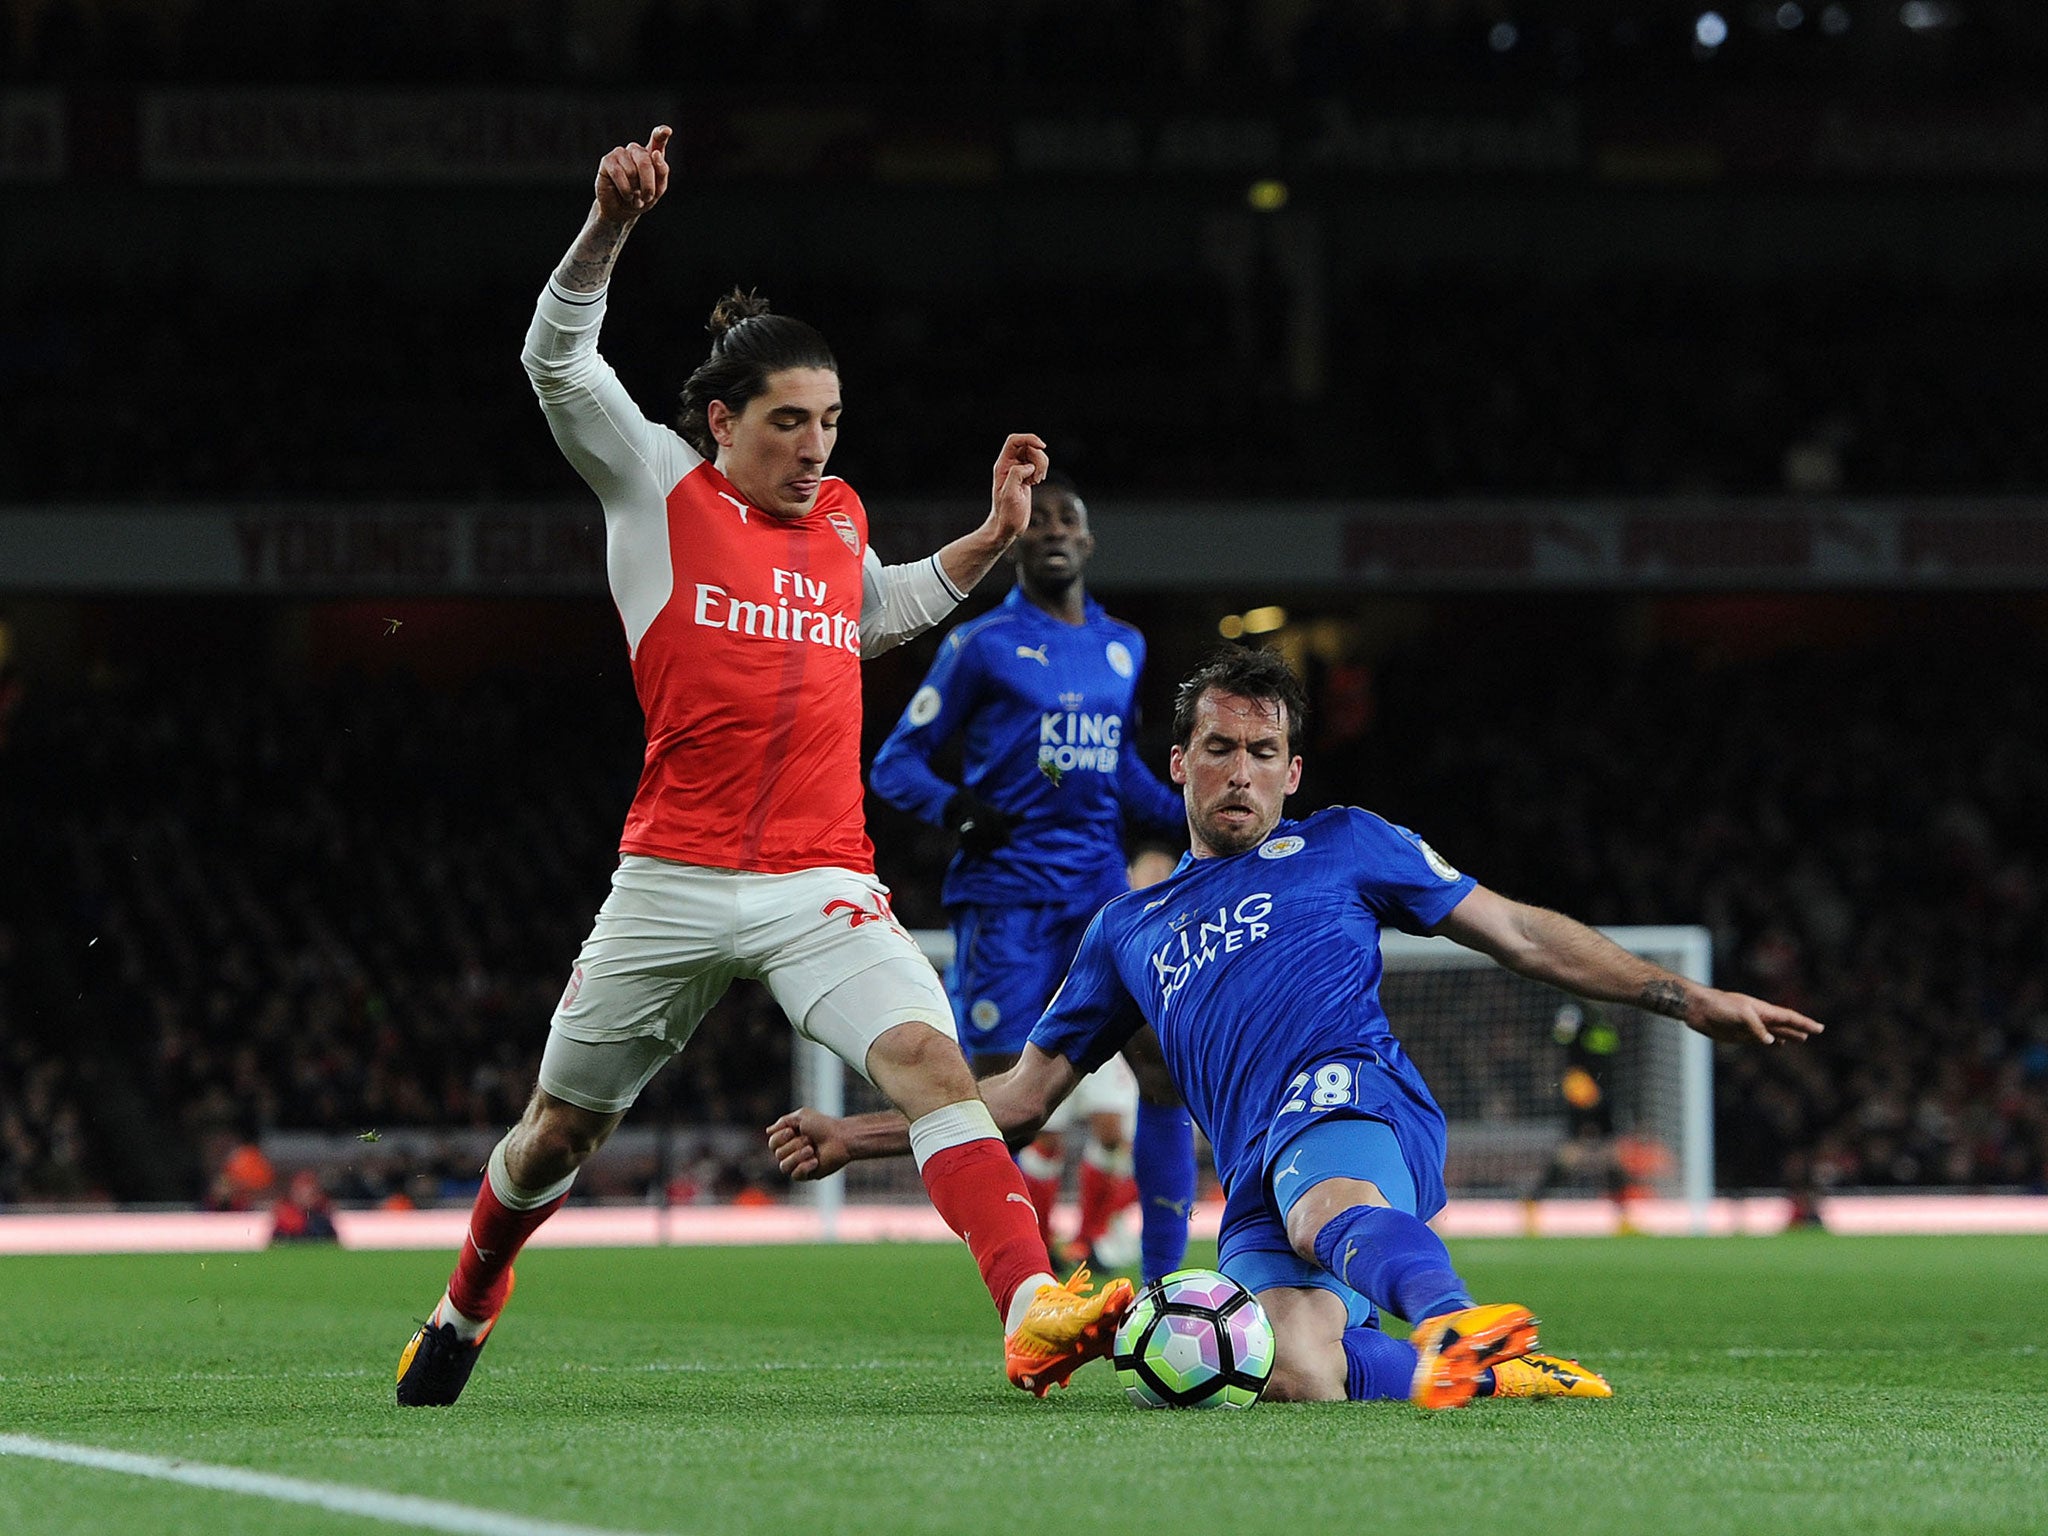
pixel 588 266
pixel 1665 996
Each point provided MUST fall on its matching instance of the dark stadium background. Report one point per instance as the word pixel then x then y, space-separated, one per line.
pixel 1641 433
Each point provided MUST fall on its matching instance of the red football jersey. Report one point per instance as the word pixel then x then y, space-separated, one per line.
pixel 750 681
pixel 744 628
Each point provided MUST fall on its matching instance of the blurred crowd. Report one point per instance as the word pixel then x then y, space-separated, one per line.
pixel 259 906
pixel 1324 46
pixel 1443 384
pixel 347 906
pixel 239 901
pixel 1864 830
pixel 46 1152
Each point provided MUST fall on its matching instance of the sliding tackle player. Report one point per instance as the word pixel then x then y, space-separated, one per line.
pixel 1254 973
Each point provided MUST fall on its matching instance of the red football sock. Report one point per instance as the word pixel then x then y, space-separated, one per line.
pixel 1125 1193
pixel 1098 1203
pixel 483 1274
pixel 980 1192
pixel 1042 1181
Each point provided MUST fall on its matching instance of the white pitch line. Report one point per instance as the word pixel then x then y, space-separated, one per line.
pixel 368 1503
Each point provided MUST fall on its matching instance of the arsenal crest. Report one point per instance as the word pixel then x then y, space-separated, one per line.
pixel 843 526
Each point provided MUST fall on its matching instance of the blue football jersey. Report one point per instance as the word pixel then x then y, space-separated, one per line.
pixel 1045 713
pixel 1260 973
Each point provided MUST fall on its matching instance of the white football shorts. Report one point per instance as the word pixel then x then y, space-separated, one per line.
pixel 671 937
pixel 1111 1089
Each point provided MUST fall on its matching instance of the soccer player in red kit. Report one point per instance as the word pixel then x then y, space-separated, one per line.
pixel 749 596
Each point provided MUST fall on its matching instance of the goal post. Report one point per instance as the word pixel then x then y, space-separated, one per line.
pixel 1483 1038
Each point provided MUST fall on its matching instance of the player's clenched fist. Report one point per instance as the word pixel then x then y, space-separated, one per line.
pixel 808 1144
pixel 631 179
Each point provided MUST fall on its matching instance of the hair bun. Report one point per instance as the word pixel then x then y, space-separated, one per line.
pixel 729 311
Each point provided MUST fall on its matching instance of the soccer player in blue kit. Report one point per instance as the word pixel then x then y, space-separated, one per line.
pixel 1042 692
pixel 1256 969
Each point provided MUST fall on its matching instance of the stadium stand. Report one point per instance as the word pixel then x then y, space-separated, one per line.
pixel 1081 46
pixel 341 902
pixel 332 908
pixel 345 904
pixel 1447 384
pixel 1861 829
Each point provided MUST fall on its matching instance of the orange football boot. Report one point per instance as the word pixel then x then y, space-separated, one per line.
pixel 1451 1351
pixel 1062 1330
pixel 1546 1376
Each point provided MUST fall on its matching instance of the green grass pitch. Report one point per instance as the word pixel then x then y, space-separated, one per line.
pixel 1805 1384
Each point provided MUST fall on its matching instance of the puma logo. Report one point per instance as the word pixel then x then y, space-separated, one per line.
pixel 1292 1170
pixel 1023 1200
pixel 1181 1208
pixel 1350 1253
pixel 741 505
pixel 486 1254
pixel 1035 652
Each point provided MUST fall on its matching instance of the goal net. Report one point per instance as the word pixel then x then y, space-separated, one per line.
pixel 1487 1043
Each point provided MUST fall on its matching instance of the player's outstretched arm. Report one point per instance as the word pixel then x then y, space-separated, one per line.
pixel 809 1144
pixel 630 180
pixel 1553 948
pixel 1020 466
pixel 1735 1016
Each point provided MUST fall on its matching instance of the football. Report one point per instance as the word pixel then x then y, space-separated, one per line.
pixel 1195 1339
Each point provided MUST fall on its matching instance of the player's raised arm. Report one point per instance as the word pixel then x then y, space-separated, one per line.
pixel 630 180
pixel 901 601
pixel 631 462
pixel 1020 466
pixel 1553 948
pixel 809 1144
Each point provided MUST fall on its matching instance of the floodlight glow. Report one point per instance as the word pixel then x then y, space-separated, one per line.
pixel 1263 621
pixel 1923 15
pixel 1835 20
pixel 1711 30
pixel 1267 196
pixel 1790 16
pixel 1230 626
pixel 1505 35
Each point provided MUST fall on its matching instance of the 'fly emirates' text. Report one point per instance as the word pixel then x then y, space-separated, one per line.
pixel 719 609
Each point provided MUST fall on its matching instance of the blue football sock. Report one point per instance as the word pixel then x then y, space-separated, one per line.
pixel 1393 1260
pixel 1163 1163
pixel 1376 1366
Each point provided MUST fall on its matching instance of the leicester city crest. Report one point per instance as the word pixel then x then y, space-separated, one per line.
pixel 1445 870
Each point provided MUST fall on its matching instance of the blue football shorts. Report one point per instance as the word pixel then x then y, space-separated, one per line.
pixel 1399 1153
pixel 1007 963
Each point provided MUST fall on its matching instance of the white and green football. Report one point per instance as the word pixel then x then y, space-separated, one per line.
pixel 1195 1339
